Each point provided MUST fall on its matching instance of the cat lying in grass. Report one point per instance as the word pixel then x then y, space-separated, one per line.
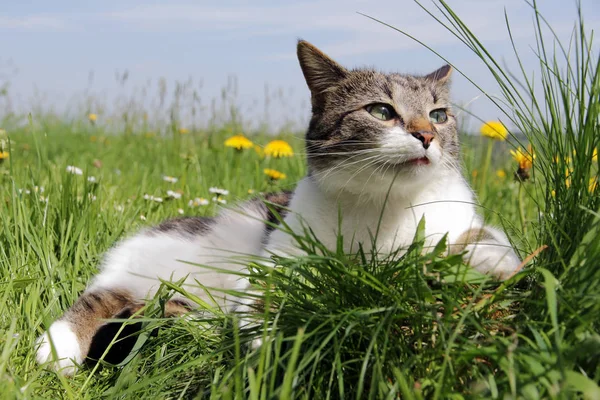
pixel 382 153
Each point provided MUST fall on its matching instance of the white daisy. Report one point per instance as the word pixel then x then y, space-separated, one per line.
pixel 142 217
pixel 218 191
pixel 219 200
pixel 74 170
pixel 91 179
pixel 173 195
pixel 198 201
pixel 171 179
pixel 119 208
pixel 152 198
pixel 180 211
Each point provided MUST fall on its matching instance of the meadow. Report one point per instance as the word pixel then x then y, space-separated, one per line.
pixel 415 324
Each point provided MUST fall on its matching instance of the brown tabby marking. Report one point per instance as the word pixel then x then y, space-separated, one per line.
pixel 185 225
pixel 472 236
pixel 89 314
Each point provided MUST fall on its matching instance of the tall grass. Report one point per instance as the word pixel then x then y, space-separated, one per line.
pixel 563 126
pixel 412 325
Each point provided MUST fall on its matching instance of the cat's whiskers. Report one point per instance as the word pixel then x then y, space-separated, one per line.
pixel 451 165
pixel 356 152
pixel 380 166
pixel 340 169
pixel 344 164
pixel 321 145
pixel 359 170
pixel 325 148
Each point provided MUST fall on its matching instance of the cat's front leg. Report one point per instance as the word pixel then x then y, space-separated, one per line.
pixel 488 251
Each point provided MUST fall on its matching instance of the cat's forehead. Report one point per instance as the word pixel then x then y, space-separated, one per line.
pixel 370 82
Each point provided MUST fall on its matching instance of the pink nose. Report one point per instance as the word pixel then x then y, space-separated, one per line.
pixel 424 136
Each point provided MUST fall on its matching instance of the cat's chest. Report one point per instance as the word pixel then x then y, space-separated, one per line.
pixel 394 225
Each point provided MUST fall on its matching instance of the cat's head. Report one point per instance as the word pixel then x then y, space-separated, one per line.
pixel 370 131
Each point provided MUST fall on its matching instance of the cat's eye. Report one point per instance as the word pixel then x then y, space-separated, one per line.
pixel 381 111
pixel 438 116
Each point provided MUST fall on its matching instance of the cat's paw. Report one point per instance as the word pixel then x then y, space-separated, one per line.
pixel 492 259
pixel 61 337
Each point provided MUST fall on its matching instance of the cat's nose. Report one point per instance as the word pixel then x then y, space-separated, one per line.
pixel 424 136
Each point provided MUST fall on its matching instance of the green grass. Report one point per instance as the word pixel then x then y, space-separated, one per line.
pixel 411 325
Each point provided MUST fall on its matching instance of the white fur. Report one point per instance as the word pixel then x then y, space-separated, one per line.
pixel 61 337
pixel 137 263
pixel 496 258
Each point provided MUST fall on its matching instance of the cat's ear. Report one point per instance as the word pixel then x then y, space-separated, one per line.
pixel 441 75
pixel 320 71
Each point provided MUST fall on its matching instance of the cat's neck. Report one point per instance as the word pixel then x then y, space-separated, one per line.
pixel 392 217
pixel 323 206
pixel 377 194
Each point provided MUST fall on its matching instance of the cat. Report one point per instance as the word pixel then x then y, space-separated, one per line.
pixel 382 152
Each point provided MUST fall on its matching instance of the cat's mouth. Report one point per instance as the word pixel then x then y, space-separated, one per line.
pixel 419 161
pixel 409 163
pixel 415 162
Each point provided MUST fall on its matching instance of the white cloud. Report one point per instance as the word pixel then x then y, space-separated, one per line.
pixel 32 22
pixel 306 19
pixel 300 19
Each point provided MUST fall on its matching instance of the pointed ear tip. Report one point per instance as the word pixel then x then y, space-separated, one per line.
pixel 445 71
pixel 441 74
pixel 303 44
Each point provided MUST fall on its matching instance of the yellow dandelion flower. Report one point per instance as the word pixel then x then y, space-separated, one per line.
pixel 274 174
pixel 93 139
pixel 523 158
pixel 4 155
pixel 92 117
pixel 568 173
pixel 278 148
pixel 567 160
pixel 184 131
pixel 501 174
pixel 593 185
pixel 474 173
pixel 494 130
pixel 239 142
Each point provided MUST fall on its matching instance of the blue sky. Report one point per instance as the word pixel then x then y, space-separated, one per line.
pixel 54 45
